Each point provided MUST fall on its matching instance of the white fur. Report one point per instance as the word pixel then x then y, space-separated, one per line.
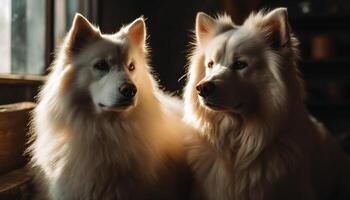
pixel 81 151
pixel 268 147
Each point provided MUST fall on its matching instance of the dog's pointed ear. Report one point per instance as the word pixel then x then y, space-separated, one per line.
pixel 81 33
pixel 137 32
pixel 205 26
pixel 277 22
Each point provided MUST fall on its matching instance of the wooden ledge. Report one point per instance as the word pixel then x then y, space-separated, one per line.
pixel 22 79
pixel 14 107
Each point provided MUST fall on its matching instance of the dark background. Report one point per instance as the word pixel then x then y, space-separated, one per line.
pixel 169 25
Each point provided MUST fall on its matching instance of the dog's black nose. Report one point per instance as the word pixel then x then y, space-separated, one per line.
pixel 128 90
pixel 205 89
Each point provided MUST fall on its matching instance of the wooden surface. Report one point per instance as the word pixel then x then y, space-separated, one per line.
pixel 14 120
pixel 22 79
pixel 15 185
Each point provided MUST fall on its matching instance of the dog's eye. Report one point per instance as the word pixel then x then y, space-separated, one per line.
pixel 210 64
pixel 102 65
pixel 131 66
pixel 238 65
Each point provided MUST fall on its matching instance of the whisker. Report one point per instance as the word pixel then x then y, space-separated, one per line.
pixel 181 78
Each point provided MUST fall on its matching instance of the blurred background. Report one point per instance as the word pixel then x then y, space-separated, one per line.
pixel 32 29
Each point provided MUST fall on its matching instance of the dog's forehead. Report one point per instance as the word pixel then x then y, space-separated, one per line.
pixel 233 43
pixel 118 53
pixel 218 43
pixel 241 41
pixel 113 47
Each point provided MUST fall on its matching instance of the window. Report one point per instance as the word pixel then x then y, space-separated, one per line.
pixel 30 29
pixel 5 36
pixel 64 14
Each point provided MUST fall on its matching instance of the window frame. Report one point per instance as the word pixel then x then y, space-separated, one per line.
pixel 49 39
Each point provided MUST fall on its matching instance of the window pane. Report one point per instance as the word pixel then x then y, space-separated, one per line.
pixel 64 14
pixel 22 36
pixel 35 18
pixel 28 36
pixel 23 33
pixel 5 35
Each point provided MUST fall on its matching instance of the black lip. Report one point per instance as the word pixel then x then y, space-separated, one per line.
pixel 214 106
pixel 101 105
pixel 219 107
pixel 122 104
pixel 119 105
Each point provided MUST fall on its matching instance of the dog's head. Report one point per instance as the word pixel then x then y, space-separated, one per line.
pixel 108 69
pixel 242 68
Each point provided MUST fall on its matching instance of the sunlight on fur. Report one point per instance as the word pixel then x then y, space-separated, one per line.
pixel 103 129
pixel 245 97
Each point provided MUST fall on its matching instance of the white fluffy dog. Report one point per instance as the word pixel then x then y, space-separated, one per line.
pixel 256 138
pixel 102 128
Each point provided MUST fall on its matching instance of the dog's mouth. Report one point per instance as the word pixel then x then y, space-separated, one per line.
pixel 217 107
pixel 117 107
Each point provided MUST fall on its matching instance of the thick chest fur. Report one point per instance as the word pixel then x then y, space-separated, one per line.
pixel 267 177
pixel 102 171
pixel 217 182
pixel 131 166
pixel 213 178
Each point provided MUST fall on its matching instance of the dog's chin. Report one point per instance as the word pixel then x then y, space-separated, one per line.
pixel 117 107
pixel 219 107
